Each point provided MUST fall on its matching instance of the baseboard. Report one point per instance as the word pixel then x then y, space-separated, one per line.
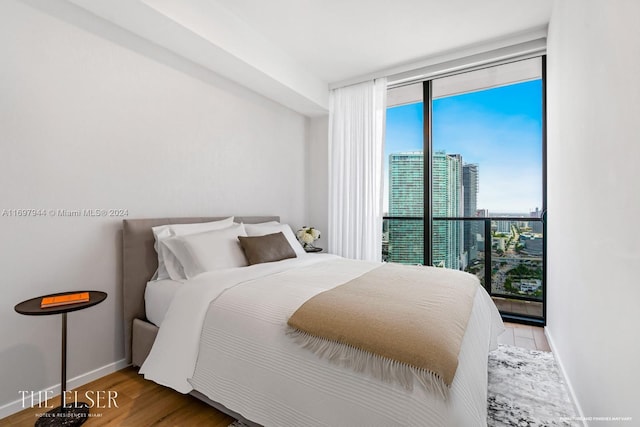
pixel 574 399
pixel 13 407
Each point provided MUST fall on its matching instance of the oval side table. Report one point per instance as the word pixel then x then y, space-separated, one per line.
pixel 77 413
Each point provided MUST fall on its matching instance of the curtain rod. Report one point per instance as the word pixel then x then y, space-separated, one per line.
pixel 531 42
pixel 474 62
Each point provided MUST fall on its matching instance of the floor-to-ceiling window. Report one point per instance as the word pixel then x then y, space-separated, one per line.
pixel 465 180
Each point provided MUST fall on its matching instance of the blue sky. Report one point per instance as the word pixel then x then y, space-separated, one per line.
pixel 500 129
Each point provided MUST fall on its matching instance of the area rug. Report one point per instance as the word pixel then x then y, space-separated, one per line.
pixel 525 390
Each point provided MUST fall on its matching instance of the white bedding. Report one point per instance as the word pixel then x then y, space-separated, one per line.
pixel 244 360
pixel 157 298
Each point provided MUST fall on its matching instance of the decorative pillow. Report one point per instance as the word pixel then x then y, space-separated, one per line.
pixel 208 251
pixel 267 248
pixel 268 228
pixel 168 265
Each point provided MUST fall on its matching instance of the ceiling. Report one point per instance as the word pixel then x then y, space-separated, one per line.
pixel 292 50
pixel 342 39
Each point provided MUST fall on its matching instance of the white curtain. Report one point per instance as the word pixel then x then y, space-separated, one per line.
pixel 356 150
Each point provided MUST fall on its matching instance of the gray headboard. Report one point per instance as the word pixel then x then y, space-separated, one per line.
pixel 140 261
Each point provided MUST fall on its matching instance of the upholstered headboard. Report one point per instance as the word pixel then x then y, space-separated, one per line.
pixel 140 261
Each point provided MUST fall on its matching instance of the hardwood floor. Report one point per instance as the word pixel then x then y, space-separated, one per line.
pixel 140 403
pixel 531 337
pixel 144 403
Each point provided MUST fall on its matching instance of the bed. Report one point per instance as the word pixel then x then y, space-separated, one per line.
pixel 234 352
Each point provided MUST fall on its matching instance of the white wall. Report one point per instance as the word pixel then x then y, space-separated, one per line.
pixel 594 202
pixel 94 117
pixel 318 178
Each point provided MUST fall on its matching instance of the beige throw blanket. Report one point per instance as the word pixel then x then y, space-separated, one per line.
pixel 396 322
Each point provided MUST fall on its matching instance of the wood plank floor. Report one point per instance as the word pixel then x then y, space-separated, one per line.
pixel 140 403
pixel 531 337
pixel 144 403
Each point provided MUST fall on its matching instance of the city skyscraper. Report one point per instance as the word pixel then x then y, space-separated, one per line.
pixel 406 199
pixel 470 181
pixel 447 201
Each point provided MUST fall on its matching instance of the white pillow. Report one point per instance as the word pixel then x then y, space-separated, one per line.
pixel 168 265
pixel 199 227
pixel 256 227
pixel 160 232
pixel 208 251
pixel 275 227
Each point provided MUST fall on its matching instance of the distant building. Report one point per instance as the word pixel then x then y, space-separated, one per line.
pixel 536 226
pixel 470 208
pixel 532 246
pixel 528 285
pixel 406 199
pixel 480 243
pixel 447 194
pixel 503 226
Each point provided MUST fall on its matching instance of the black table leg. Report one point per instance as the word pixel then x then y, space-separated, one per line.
pixel 67 415
pixel 63 379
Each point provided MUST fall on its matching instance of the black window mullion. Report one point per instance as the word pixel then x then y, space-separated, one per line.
pixel 544 189
pixel 426 149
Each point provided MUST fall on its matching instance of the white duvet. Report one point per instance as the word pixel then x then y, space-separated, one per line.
pixel 224 335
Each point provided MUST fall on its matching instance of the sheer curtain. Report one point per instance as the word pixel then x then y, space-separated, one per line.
pixel 356 151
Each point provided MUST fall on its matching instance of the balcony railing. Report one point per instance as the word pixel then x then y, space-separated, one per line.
pixel 506 253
